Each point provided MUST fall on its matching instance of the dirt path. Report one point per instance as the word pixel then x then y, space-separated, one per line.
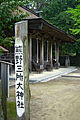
pixel 56 100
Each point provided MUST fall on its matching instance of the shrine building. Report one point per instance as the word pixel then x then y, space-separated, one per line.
pixel 42 36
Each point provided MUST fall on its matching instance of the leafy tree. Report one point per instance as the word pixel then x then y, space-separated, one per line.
pixel 8 18
pixel 76 17
pixel 54 12
pixel 76 28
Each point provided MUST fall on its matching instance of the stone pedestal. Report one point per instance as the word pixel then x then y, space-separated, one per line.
pixel 67 61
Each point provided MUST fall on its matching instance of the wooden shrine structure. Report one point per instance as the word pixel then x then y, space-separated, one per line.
pixel 41 37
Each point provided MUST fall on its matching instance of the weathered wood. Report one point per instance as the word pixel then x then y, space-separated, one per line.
pixel 1 111
pixel 7 56
pixel 26 74
pixel 7 80
pixel 51 53
pixel 42 52
pixel 21 33
pixel 48 28
pixel 57 64
pixel 37 50
pixel 30 53
pixel 8 63
pixel 4 86
pixel 47 49
pixel 4 89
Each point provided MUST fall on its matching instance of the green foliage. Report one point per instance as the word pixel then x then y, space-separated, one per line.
pixel 8 19
pixel 67 48
pixel 76 17
pixel 54 12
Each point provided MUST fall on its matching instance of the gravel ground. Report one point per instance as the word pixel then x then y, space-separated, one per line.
pixel 56 100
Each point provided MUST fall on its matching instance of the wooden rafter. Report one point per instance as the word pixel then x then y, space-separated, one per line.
pixel 44 27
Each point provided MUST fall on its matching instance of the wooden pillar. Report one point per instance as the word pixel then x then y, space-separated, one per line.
pixel 57 64
pixel 37 50
pixel 51 54
pixel 42 54
pixel 4 89
pixel 1 111
pixel 47 50
pixel 4 86
pixel 22 71
pixel 30 53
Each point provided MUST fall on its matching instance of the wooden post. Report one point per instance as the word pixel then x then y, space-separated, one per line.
pixel 42 52
pixel 4 86
pixel 21 71
pixel 47 50
pixel 30 53
pixel 1 111
pixel 7 80
pixel 51 54
pixel 57 54
pixel 37 50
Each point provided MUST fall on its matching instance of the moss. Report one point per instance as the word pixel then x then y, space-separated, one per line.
pixel 11 111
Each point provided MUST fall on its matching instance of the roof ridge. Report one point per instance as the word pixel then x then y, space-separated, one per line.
pixel 27 8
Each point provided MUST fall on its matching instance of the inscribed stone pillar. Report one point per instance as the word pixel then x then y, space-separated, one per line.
pixel 21 70
pixel 57 64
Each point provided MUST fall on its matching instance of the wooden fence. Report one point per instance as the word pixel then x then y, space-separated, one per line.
pixel 7 57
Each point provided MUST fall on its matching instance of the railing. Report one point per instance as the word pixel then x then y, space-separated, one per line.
pixel 7 56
